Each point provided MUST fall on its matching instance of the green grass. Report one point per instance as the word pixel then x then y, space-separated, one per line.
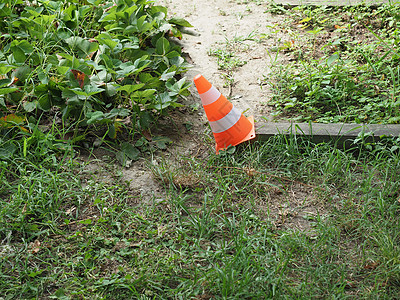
pixel 344 64
pixel 66 233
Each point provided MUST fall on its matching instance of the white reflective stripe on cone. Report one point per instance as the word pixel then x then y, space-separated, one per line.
pixel 210 96
pixel 226 122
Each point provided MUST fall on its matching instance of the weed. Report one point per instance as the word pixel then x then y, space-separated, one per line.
pixel 227 58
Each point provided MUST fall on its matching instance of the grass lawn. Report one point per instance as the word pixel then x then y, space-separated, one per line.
pixel 228 231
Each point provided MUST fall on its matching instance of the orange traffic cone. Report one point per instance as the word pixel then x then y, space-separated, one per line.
pixel 228 124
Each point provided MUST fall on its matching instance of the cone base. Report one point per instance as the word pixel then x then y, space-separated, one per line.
pixel 249 136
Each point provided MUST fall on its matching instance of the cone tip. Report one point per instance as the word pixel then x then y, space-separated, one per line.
pixel 197 77
pixel 201 83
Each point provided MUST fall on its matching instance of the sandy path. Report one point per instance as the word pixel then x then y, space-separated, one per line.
pixel 218 22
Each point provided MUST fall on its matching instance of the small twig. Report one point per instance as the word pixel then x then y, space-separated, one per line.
pixel 229 90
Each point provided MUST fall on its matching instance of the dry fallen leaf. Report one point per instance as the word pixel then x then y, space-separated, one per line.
pixel 70 210
pixel 35 246
pixel 371 265
pixel 251 172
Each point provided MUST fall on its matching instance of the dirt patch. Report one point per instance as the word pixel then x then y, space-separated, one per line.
pixel 247 31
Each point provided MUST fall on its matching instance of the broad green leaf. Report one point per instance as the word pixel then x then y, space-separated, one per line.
pixel 130 88
pixel 92 90
pixel 64 32
pixel 25 46
pixel 126 69
pixel 176 61
pixel 115 112
pixel 164 98
pixel 162 141
pixel 130 29
pixel 44 102
pixel 143 25
pixel 108 17
pixel 43 78
pixel 5 68
pixel 179 87
pixel 62 70
pixel 162 101
pixel 94 117
pixel 130 151
pixel 144 94
pixel 45 20
pixel 172 54
pixel 30 106
pixel 105 39
pixel 95 2
pixel 167 75
pixel 7 150
pixel 88 47
pixel 162 46
pixel 4 91
pixel 156 9
pixel 73 94
pixel 121 157
pixel 130 45
pixel 166 27
pixel 112 132
pixel 5 82
pixel 141 63
pixel 331 59
pixel 68 13
pixel 18 55
pixel 83 11
pixel 22 73
pixel 180 22
pixel 110 89
pixel 74 42
pixel 34 11
pixel 145 119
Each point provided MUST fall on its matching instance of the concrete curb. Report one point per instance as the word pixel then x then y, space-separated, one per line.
pixel 343 133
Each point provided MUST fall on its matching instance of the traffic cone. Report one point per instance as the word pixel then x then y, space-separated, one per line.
pixel 228 124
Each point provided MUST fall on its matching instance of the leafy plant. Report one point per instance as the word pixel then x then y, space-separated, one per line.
pixel 96 63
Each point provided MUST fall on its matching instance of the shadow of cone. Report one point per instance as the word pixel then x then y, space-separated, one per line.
pixel 228 124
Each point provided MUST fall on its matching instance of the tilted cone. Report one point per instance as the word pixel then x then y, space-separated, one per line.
pixel 228 124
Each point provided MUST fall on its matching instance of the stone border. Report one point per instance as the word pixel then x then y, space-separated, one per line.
pixel 343 134
pixel 330 2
